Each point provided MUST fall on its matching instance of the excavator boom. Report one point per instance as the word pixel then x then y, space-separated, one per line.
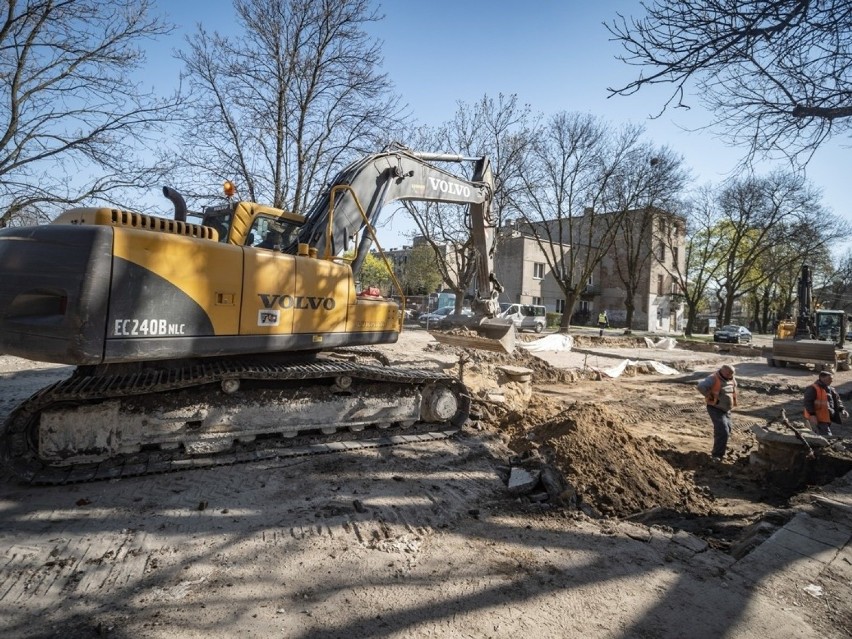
pixel 398 174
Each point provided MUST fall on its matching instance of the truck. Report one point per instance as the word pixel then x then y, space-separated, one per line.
pixel 816 337
pixel 198 343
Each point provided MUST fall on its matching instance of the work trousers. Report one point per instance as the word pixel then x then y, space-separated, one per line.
pixel 721 430
pixel 823 428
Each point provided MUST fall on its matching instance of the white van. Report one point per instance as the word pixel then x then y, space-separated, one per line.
pixel 525 316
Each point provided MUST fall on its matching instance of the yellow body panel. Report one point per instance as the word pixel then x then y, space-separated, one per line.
pixel 304 295
pixel 269 283
pixel 247 291
pixel 208 272
pixel 322 281
pixel 786 329
pixel 368 316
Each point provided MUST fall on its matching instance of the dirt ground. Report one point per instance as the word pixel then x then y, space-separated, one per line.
pixel 629 531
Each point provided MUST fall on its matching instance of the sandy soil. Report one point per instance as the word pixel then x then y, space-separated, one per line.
pixel 635 533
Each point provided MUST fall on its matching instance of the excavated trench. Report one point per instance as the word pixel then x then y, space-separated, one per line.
pixel 604 458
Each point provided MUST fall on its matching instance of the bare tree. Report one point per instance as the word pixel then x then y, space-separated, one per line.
pixel 444 229
pixel 502 129
pixel 498 128
pixel 759 214
pixel 283 105
pixel 67 107
pixel 569 186
pixel 833 280
pixel 648 187
pixel 838 289
pixel 773 296
pixel 693 276
pixel 775 72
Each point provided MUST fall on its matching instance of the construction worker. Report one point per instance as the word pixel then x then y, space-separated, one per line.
pixel 720 392
pixel 822 405
pixel 603 321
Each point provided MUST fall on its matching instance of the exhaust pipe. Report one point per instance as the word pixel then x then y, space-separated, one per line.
pixel 179 203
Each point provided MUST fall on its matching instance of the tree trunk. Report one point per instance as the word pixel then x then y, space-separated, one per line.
pixel 570 301
pixel 691 319
pixel 630 308
pixel 729 308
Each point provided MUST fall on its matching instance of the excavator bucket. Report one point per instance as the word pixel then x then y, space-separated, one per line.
pixel 497 335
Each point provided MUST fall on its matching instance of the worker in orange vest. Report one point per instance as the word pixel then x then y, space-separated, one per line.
pixel 720 393
pixel 822 405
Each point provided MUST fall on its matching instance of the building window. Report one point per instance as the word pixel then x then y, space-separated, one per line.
pixel 560 305
pixel 584 306
pixel 662 252
pixel 674 256
pixel 538 270
pixel 660 284
pixel 536 301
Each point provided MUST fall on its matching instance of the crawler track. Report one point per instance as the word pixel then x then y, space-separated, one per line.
pixel 21 443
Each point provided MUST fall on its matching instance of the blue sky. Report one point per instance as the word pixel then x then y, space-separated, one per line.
pixel 554 54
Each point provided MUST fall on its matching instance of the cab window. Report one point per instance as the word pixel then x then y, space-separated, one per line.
pixel 272 233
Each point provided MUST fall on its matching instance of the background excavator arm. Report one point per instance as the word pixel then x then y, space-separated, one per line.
pixel 400 174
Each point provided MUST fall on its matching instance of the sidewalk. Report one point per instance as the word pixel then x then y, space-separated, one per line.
pixel 811 555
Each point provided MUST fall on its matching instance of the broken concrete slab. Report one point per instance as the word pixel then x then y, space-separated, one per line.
pixel 635 531
pixel 516 373
pixel 522 481
pixel 687 540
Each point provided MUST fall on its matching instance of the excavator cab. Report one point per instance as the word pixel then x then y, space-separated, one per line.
pixel 831 326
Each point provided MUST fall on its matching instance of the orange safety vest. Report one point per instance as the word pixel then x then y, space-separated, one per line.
pixel 820 406
pixel 713 396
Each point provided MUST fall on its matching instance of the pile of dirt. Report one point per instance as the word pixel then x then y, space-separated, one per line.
pixel 612 341
pixel 485 362
pixel 614 472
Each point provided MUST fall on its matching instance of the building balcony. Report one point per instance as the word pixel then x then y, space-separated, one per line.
pixel 590 291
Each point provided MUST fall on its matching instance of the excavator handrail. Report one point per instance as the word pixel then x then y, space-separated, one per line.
pixel 372 231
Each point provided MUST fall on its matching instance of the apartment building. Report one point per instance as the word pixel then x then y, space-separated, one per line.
pixel 656 244
pixel 653 247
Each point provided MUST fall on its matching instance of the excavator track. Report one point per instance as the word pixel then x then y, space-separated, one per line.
pixel 106 426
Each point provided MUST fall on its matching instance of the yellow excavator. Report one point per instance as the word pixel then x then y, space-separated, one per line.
pixel 816 337
pixel 198 344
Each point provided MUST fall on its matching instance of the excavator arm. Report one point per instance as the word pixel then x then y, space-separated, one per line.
pixel 398 174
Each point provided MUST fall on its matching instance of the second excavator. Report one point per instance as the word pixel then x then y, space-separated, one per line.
pixel 195 344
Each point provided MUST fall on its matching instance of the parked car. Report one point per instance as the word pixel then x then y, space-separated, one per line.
pixel 436 316
pixel 525 316
pixel 732 333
